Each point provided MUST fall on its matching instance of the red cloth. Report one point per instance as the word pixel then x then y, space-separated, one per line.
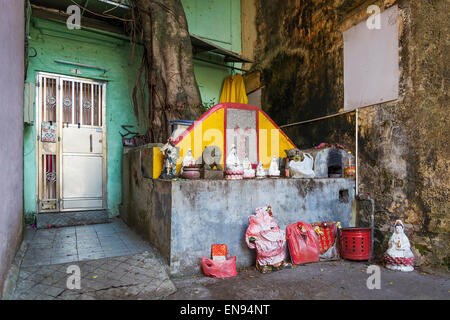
pixel 269 239
pixel 328 235
pixel 399 261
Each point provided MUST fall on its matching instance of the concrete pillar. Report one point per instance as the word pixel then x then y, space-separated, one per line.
pixel 11 131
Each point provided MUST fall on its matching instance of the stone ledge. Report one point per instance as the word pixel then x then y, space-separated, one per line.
pixel 183 218
pixel 67 219
pixel 13 273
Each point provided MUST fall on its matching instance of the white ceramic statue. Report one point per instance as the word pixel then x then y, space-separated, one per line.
pixel 260 172
pixel 399 255
pixel 234 170
pixel 188 160
pixel 233 163
pixel 249 172
pixel 273 168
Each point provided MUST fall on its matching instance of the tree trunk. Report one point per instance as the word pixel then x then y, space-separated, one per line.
pixel 169 73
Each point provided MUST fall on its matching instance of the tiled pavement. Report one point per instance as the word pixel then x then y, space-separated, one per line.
pixel 62 245
pixel 138 276
pixel 117 264
pixel 114 263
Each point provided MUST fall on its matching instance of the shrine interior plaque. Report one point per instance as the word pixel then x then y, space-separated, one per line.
pixel 241 131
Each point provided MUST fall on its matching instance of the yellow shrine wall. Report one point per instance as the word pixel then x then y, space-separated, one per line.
pixel 271 141
pixel 209 129
pixel 207 132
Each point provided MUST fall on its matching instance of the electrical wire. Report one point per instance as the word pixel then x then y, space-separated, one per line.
pixel 317 119
pixel 113 8
pixel 101 15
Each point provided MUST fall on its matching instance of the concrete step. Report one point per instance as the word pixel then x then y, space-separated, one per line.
pixel 67 219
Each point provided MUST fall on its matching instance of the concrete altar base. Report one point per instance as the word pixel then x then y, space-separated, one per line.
pixel 182 219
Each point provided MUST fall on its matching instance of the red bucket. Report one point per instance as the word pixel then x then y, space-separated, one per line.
pixel 356 243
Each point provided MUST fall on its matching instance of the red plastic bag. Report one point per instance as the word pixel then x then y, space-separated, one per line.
pixel 220 269
pixel 303 243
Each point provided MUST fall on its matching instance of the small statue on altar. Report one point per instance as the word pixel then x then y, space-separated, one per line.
pixel 273 168
pixel 260 172
pixel 233 162
pixel 234 170
pixel 264 235
pixel 399 255
pixel 249 172
pixel 189 169
pixel 212 156
pixel 188 160
pixel 212 168
pixel 170 154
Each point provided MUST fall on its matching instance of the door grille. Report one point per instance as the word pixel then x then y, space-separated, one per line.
pixel 73 103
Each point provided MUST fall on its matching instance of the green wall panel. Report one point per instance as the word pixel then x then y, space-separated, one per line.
pixel 211 20
pixel 218 21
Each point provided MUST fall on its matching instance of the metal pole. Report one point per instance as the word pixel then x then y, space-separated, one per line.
pixel 372 217
pixel 220 64
pixel 356 153
pixel 80 65
pixel 368 197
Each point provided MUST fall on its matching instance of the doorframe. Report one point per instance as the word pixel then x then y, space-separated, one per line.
pixel 60 78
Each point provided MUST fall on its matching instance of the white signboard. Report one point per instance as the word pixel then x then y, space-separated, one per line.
pixel 371 60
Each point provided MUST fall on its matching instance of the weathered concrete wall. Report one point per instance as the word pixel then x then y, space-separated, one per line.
pixel 404 154
pixel 146 203
pixel 11 131
pixel 216 211
pixel 182 219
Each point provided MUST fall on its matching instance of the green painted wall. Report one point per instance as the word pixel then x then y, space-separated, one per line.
pixel 217 21
pixel 52 40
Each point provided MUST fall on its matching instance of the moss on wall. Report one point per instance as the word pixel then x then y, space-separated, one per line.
pixel 404 154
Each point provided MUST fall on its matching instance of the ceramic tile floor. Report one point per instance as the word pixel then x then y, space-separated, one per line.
pixel 69 244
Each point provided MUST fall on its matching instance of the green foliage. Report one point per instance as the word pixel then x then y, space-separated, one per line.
pixel 447 262
pixel 209 105
pixel 29 219
pixel 422 249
